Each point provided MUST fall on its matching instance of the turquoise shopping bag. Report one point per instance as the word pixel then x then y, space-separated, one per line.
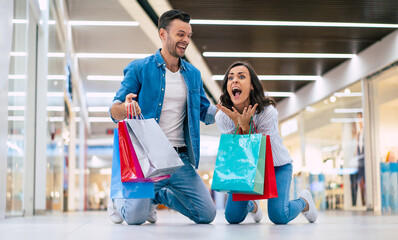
pixel 240 164
pixel 121 189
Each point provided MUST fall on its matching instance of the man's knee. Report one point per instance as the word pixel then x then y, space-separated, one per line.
pixel 135 212
pixel 134 220
pixel 206 216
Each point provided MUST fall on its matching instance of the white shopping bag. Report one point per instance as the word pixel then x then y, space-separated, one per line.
pixel 155 153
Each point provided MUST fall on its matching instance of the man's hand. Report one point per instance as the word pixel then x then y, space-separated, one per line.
pixel 131 106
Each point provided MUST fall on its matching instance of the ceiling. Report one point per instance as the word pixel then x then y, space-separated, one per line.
pixel 217 38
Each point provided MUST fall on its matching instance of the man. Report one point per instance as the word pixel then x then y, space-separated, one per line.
pixel 170 90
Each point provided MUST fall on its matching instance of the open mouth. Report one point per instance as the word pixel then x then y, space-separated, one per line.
pixel 236 92
pixel 182 47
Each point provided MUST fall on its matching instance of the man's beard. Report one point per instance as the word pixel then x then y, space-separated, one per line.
pixel 171 47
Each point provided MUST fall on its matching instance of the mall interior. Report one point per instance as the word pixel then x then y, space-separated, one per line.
pixel 331 66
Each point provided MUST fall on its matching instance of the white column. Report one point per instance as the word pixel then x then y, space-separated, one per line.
pixel 30 117
pixel 82 163
pixel 6 13
pixel 72 162
pixel 41 113
pixel 372 166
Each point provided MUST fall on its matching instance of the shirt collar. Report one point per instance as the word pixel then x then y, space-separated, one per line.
pixel 160 61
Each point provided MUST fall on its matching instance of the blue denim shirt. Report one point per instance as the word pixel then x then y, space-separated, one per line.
pixel 146 78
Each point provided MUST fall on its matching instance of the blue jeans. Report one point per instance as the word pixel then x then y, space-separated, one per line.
pixel 280 209
pixel 184 192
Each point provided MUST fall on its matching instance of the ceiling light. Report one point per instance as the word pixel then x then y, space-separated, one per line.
pixel 98 109
pixel 290 23
pixel 348 110
pixel 277 55
pixel 25 21
pixel 16 108
pixel 332 99
pixel 347 91
pixel 24 54
pixel 56 77
pixel 16 76
pixel 16 118
pixel 20 21
pixel 56 54
pixel 113 55
pixel 351 94
pixel 279 94
pixel 18 54
pixel 105 23
pixel 279 77
pixel 100 119
pixel 100 94
pixel 345 120
pixel 104 78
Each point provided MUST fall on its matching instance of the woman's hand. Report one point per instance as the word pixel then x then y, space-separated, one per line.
pixel 132 106
pixel 245 117
pixel 241 119
pixel 233 115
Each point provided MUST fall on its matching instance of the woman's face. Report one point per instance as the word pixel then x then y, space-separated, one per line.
pixel 239 86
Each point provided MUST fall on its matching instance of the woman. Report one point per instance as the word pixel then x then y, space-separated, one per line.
pixel 243 97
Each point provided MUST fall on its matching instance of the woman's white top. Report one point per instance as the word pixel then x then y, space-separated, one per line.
pixel 266 122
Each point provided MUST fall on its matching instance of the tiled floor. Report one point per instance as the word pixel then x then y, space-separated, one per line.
pixel 95 225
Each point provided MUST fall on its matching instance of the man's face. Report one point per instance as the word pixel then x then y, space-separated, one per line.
pixel 176 38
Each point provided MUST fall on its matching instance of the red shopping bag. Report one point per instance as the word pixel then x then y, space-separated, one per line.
pixel 270 190
pixel 129 165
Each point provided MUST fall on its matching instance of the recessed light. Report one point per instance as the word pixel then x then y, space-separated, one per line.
pixel 113 55
pixel 277 55
pixel 279 94
pixel 104 78
pixel 105 23
pixel 279 77
pixel 290 23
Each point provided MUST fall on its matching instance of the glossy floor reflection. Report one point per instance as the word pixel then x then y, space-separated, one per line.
pixel 334 225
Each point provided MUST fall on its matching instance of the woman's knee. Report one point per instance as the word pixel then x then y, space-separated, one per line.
pixel 233 218
pixel 278 217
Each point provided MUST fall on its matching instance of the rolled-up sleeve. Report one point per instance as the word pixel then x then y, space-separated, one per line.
pixel 130 84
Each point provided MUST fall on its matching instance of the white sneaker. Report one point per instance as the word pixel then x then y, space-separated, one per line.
pixel 257 216
pixel 113 214
pixel 153 216
pixel 312 214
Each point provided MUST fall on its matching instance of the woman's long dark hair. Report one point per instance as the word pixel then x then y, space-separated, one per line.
pixel 256 95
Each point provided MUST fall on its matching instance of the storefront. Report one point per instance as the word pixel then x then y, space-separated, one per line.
pixel 327 142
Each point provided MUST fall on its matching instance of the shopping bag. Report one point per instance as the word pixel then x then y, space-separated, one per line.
pixel 240 164
pixel 129 165
pixel 156 155
pixel 120 189
pixel 270 189
pixel 385 186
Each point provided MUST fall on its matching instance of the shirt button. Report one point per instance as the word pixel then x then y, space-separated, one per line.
pixel 160 104
pixel 162 89
pixel 156 119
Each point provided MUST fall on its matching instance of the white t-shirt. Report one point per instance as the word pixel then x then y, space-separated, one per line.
pixel 174 108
